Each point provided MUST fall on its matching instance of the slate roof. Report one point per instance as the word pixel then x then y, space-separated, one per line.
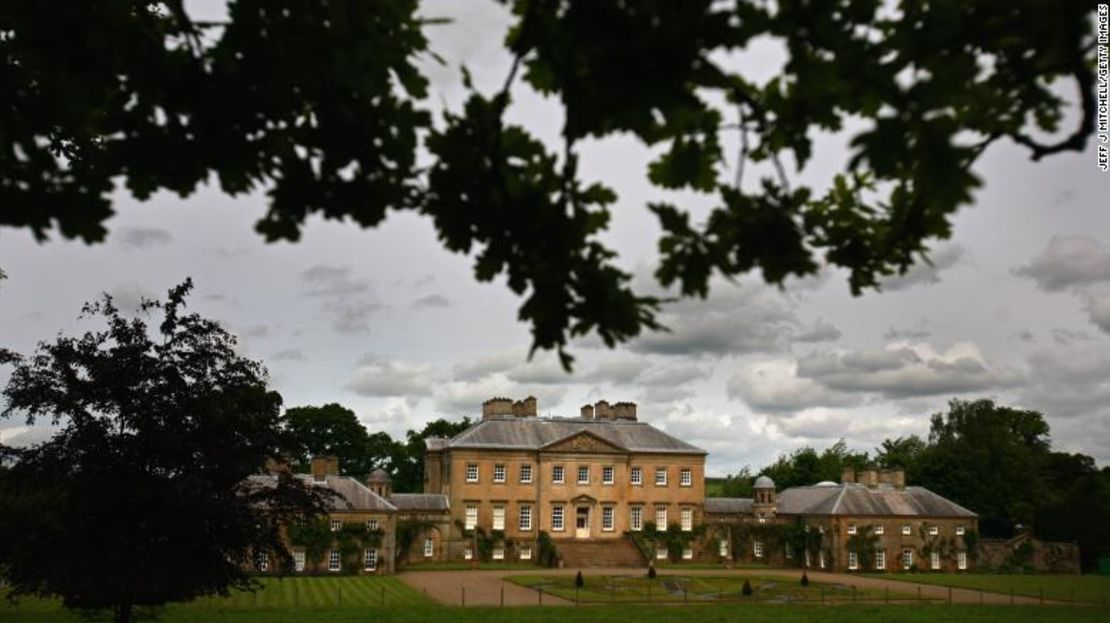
pixel 722 506
pixel 532 433
pixel 856 499
pixel 420 502
pixel 353 495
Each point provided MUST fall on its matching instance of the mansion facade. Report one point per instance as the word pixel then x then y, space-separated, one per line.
pixel 605 489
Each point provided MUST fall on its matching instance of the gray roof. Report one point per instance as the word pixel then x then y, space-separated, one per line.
pixel 721 506
pixel 764 482
pixel 435 443
pixel 379 475
pixel 855 499
pixel 353 495
pixel 532 433
pixel 420 502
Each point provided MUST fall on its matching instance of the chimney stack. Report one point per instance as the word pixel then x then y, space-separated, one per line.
pixel 587 412
pixel 848 476
pixel 525 408
pixel 625 411
pixel 496 407
pixel 324 466
pixel 869 478
pixel 602 411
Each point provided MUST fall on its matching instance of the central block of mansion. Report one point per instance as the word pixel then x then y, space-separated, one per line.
pixel 606 489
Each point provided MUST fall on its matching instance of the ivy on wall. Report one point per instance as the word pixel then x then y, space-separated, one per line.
pixel 317 537
pixel 674 539
pixel 407 532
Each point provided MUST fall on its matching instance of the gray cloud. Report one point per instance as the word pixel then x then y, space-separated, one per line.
pixel 925 273
pixel 144 237
pixel 288 354
pixel 1068 261
pixel 1098 310
pixel 821 331
pixel 129 296
pixel 1070 380
pixel 905 372
pixel 431 301
pixel 350 316
pixel 912 333
pixel 775 387
pixel 391 378
pixel 324 280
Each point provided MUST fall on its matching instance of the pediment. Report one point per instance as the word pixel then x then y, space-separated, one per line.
pixel 583 499
pixel 584 442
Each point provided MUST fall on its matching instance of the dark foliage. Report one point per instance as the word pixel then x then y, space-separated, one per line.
pixel 321 103
pixel 805 579
pixel 578 581
pixel 651 571
pixel 747 590
pixel 330 430
pixel 139 498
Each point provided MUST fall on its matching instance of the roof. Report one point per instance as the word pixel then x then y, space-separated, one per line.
pixel 420 502
pixel 379 475
pixel 764 482
pixel 856 499
pixel 353 495
pixel 532 433
pixel 721 506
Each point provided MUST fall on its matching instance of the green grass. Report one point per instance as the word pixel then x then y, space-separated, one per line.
pixel 678 588
pixel 1084 588
pixel 299 593
pixel 722 613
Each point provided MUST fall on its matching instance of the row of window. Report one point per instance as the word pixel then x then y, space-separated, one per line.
pixel 524 517
pixel 524 552
pixel 558 518
pixel 907 530
pixel 907 560
pixel 335 560
pixel 371 525
pixel 558 475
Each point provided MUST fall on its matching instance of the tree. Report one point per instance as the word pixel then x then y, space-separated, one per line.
pixel 408 462
pixel 331 429
pixel 322 103
pixel 805 466
pixel 141 496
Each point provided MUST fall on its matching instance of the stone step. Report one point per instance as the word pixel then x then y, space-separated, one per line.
pixel 599 553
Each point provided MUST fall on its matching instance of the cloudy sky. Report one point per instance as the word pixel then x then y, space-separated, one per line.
pixel 1015 307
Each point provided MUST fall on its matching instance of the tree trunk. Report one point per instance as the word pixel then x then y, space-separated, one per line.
pixel 123 613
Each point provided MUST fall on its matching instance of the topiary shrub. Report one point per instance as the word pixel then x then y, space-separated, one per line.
pixel 651 572
pixel 805 579
pixel 578 581
pixel 747 590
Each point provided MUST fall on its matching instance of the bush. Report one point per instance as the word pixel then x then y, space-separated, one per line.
pixel 805 579
pixel 747 590
pixel 651 571
pixel 578 581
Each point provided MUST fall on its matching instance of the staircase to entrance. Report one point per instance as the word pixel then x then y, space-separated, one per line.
pixel 599 553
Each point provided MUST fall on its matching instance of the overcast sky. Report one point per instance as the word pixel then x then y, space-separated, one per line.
pixel 1016 307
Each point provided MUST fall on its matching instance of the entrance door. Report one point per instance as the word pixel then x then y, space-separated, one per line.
pixel 582 523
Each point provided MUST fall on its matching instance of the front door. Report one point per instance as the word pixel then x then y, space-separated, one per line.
pixel 582 523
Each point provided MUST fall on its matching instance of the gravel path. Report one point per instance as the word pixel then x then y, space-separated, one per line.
pixel 488 588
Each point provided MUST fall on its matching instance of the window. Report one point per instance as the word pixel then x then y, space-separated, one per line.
pixel 687 553
pixel 262 561
pixel 370 559
pixel 906 531
pixel 499 473
pixel 959 530
pixel 934 560
pixel 878 531
pixel 907 557
pixel 525 517
pixel 660 553
pixel 525 474
pixel 583 475
pixel 685 477
pixel 372 525
pixel 853 560
pixel 557 518
pixel 472 472
pixel 526 552
pixel 498 516
pixel 880 560
pixel 429 547
pixel 336 525
pixel 722 549
pixel 687 519
pixel 660 476
pixel 934 530
pixel 471 516
pixel 607 475
pixel 468 553
pixel 636 518
pixel 298 560
pixel 757 548
pixel 637 476
pixel 961 561
pixel 661 518
pixel 334 561
pixel 557 474
pixel 607 518
pixel 499 552
pixel 852 528
pixel 762 518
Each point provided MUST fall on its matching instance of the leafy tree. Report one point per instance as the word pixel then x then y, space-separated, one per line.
pixel 904 452
pixel 140 497
pixel 806 466
pixel 408 462
pixel 322 103
pixel 738 485
pixel 331 429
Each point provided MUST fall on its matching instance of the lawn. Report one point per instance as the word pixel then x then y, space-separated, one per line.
pixel 720 613
pixel 1083 588
pixel 678 588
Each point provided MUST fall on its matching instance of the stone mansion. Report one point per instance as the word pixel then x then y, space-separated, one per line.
pixel 606 489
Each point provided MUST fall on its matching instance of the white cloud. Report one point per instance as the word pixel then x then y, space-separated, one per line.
pixel 774 386
pixel 1069 261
